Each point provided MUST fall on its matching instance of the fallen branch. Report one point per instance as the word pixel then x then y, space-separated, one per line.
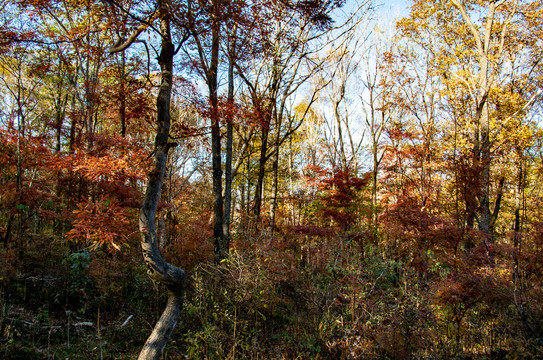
pixel 126 321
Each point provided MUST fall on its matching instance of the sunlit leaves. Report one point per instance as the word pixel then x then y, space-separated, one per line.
pixel 103 223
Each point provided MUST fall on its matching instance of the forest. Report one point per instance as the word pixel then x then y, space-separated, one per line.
pixel 271 179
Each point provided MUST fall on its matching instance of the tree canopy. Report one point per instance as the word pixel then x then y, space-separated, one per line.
pixel 298 179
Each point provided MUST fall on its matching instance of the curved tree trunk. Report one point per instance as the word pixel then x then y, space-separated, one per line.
pixel 172 277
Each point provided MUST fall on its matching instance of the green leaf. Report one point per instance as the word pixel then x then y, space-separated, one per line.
pixel 22 207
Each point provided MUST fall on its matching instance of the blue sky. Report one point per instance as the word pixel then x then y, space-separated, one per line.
pixel 393 8
pixel 386 10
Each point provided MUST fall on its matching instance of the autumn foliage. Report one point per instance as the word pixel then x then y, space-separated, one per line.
pixel 384 199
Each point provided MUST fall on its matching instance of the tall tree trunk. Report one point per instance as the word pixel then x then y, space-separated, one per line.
pixel 375 137
pixel 516 224
pixel 229 173
pixel 484 199
pixel 375 129
pixel 275 171
pixel 261 168
pixel 73 123
pixel 172 277
pixel 290 182
pixel 20 135
pixel 122 95
pixel 374 175
pixel 497 207
pixel 248 170
pixel 60 106
pixel 212 83
pixel 228 165
pixel 267 113
pixel 340 134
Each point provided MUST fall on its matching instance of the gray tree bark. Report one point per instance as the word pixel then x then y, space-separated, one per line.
pixel 171 276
